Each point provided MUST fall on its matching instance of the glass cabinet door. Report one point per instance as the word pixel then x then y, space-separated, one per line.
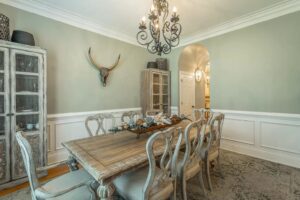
pixel 4 118
pixel 160 92
pixel 156 91
pixel 27 105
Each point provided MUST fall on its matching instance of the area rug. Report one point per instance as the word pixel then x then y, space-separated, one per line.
pixel 244 178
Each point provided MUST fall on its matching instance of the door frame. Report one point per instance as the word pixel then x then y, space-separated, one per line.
pixel 181 74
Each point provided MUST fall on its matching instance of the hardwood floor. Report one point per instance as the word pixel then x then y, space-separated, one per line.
pixel 57 171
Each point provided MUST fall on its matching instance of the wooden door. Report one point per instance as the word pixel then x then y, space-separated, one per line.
pixel 27 106
pixel 4 117
pixel 187 93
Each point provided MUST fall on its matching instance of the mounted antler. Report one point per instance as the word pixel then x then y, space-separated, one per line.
pixel 104 72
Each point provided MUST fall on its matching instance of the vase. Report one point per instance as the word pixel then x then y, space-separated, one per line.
pixel 4 27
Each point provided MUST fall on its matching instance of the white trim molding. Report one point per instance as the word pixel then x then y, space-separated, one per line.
pixel 269 136
pixel 69 126
pixel 271 12
pixel 43 8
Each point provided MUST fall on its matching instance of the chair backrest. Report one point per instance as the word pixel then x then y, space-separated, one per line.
pixel 168 160
pixel 26 152
pixel 131 115
pixel 99 119
pixel 193 147
pixel 151 113
pixel 202 113
pixel 215 127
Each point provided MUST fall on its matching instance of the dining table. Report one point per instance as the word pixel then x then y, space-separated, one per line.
pixel 107 156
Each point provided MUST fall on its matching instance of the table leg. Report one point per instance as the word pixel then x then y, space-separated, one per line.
pixel 72 164
pixel 105 191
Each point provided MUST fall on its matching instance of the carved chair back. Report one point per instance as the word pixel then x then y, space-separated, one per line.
pixel 202 113
pixel 131 115
pixel 193 149
pixel 151 113
pixel 99 119
pixel 168 160
pixel 26 152
pixel 215 130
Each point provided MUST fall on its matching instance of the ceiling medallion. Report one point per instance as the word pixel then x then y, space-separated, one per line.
pixel 161 34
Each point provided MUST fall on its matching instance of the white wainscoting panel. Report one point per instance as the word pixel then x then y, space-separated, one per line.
pixel 270 136
pixel 238 130
pixel 70 126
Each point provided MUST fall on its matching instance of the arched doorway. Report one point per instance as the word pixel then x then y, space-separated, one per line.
pixel 194 79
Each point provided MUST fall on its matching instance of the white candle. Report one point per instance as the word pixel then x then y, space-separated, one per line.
pixel 174 9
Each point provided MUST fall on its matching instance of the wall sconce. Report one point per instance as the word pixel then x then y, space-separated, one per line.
pixel 198 74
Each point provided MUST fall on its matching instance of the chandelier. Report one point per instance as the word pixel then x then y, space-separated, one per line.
pixel 161 34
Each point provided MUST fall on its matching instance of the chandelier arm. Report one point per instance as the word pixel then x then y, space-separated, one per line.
pixel 166 48
pixel 152 48
pixel 175 35
pixel 143 36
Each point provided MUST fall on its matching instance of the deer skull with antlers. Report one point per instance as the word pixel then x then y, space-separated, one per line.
pixel 104 72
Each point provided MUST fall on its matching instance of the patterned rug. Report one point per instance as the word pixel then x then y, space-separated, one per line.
pixel 245 178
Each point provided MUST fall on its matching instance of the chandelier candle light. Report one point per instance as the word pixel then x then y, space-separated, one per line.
pixel 163 34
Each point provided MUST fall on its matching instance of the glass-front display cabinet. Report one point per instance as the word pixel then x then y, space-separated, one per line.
pixel 155 91
pixel 22 108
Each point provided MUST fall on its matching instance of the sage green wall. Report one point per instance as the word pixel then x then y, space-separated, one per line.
pixel 256 68
pixel 73 84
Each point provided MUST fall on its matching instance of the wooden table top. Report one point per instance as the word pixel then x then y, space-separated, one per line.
pixel 108 156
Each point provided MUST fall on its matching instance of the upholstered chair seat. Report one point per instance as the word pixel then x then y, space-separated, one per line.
pixel 80 193
pixel 192 168
pixel 72 179
pixel 75 185
pixel 130 185
pixel 151 182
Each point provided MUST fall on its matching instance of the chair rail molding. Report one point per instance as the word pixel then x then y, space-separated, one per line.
pixel 265 135
pixel 70 126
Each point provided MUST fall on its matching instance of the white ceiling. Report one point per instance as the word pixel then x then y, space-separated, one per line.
pixel 120 18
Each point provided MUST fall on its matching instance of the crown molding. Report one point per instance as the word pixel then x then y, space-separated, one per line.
pixel 41 7
pixel 67 17
pixel 271 12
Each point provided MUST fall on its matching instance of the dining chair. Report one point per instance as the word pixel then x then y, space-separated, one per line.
pixel 202 113
pixel 99 119
pixel 190 162
pixel 151 113
pixel 130 116
pixel 152 182
pixel 75 185
pixel 211 151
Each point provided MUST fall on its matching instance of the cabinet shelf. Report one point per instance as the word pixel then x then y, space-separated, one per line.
pixel 31 131
pixel 1 71
pixel 2 93
pixel 28 73
pixel 27 93
pixel 27 113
